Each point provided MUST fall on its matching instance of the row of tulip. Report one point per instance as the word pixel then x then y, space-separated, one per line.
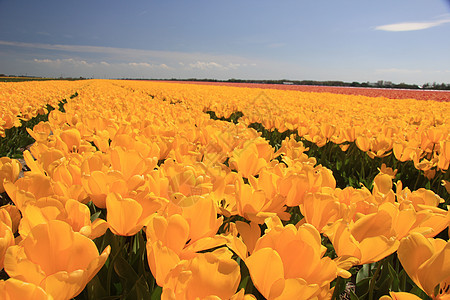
pixel 218 210
pixel 409 128
pixel 25 100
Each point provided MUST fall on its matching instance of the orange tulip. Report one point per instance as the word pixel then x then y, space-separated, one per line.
pixel 180 237
pixel 371 238
pixel 9 170
pixel 71 211
pixel 127 216
pixel 12 289
pixel 288 262
pixel 427 262
pixel 55 258
pixel 247 160
pixel 212 275
pixel 400 296
pixel 6 235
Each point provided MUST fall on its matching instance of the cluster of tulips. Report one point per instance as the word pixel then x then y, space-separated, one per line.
pixel 406 128
pixel 209 196
pixel 25 100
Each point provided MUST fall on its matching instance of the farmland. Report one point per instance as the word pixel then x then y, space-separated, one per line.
pixel 145 190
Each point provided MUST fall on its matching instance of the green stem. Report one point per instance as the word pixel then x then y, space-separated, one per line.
pixel 111 264
pixel 373 280
pixel 417 181
pixel 336 289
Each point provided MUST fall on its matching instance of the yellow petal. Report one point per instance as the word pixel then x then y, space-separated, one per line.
pixel 267 272
pixel 15 289
pixel 412 252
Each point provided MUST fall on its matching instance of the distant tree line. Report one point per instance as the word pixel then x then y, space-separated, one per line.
pixel 378 84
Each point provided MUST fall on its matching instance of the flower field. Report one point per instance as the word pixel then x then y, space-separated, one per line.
pixel 117 189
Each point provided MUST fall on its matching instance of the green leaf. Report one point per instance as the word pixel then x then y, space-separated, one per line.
pixel 139 290
pixel 95 215
pixel 353 295
pixel 363 273
pixel 156 294
pixel 362 287
pixel 395 280
pixel 95 289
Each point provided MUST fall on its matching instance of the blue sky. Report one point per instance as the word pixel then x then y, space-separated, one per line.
pixel 350 40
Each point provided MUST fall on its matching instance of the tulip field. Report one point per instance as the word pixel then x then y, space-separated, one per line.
pixel 117 189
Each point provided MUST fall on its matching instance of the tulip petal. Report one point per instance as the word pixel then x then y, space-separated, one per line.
pixel 267 272
pixel 412 252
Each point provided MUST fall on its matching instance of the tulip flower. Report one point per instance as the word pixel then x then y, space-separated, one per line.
pixel 9 170
pixel 12 289
pixel 288 262
pixel 247 160
pixel 180 237
pixel 127 216
pixel 55 258
pixel 369 239
pixel 212 275
pixel 427 262
pixel 400 296
pixel 14 215
pixel 70 211
pixel 6 235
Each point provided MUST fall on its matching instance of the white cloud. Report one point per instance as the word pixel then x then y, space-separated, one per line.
pixel 129 53
pixel 201 65
pixel 43 60
pixel 63 61
pixel 141 64
pixel 411 26
pixel 206 65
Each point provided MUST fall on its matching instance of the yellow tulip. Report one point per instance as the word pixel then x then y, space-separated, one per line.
pixel 71 211
pixel 400 296
pixel 371 238
pixel 288 262
pixel 55 258
pixel 211 275
pixel 9 170
pixel 180 237
pixel 126 216
pixel 427 262
pixel 247 160
pixel 14 215
pixel 6 235
pixel 12 289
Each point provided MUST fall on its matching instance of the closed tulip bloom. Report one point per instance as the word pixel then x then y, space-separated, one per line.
pixel 55 258
pixel 9 169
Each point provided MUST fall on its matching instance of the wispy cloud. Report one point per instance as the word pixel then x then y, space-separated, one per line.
pixel 62 61
pixel 129 53
pixel 411 26
pixel 206 65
